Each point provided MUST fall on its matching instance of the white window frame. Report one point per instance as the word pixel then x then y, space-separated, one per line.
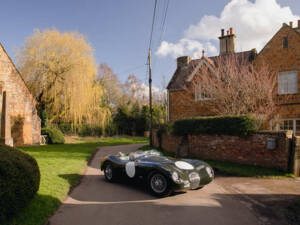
pixel 294 125
pixel 199 94
pixel 288 82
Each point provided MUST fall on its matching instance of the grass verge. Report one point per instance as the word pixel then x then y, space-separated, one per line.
pixel 61 167
pixel 236 169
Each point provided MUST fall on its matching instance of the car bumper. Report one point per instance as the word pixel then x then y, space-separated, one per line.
pixel 189 185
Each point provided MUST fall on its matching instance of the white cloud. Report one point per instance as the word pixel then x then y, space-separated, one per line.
pixel 185 47
pixel 254 24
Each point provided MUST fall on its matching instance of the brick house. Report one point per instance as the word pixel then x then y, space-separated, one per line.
pixel 281 53
pixel 20 124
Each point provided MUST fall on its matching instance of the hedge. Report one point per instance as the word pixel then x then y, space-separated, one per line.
pixel 19 181
pixel 227 125
pixel 55 136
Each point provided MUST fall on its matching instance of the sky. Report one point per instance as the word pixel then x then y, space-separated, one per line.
pixel 119 30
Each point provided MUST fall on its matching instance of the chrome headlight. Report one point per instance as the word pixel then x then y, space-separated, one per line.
pixel 176 178
pixel 194 177
pixel 210 171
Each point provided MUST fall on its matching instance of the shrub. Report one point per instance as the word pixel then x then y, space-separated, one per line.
pixel 89 130
pixel 228 125
pixel 66 128
pixel 20 180
pixel 55 136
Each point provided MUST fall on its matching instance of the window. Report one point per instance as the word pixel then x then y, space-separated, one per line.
pixel 200 95
pixel 287 125
pixel 290 124
pixel 285 42
pixel 288 82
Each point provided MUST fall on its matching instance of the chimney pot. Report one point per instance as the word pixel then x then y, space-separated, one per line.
pixel 183 61
pixel 222 32
pixel 227 43
pixel 291 24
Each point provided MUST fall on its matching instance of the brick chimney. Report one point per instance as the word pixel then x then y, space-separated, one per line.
pixel 298 24
pixel 183 61
pixel 227 42
pixel 291 24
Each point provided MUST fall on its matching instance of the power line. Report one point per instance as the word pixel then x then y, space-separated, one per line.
pixel 153 21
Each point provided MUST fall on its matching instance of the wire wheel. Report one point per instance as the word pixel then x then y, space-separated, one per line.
pixel 108 172
pixel 158 183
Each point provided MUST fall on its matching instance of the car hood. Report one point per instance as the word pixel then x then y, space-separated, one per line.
pixel 181 164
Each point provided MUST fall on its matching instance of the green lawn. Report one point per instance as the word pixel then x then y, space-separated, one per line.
pixel 61 166
pixel 238 169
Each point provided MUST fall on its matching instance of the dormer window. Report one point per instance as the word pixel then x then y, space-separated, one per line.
pixel 285 42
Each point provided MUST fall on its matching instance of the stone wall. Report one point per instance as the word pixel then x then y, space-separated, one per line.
pixel 251 150
pixel 21 104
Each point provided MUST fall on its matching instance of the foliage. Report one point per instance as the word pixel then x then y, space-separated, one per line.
pixel 55 136
pixel 20 180
pixel 135 119
pixel 60 71
pixel 61 167
pixel 227 125
pixel 89 130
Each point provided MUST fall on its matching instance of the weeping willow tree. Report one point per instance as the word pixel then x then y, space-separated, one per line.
pixel 60 70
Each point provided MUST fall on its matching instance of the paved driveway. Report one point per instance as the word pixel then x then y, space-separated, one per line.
pixel 96 202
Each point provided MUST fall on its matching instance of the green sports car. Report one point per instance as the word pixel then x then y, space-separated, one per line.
pixel 162 175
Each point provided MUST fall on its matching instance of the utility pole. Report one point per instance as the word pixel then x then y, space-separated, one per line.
pixel 150 95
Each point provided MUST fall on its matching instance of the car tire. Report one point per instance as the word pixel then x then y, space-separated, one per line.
pixel 109 172
pixel 158 185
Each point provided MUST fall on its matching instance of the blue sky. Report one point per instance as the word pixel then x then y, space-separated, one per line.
pixel 119 30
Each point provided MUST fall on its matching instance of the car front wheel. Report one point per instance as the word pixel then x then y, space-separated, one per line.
pixel 158 185
pixel 109 172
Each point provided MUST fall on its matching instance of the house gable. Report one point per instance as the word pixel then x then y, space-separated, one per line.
pixel 279 58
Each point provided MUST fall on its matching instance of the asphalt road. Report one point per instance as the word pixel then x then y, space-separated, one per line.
pixel 97 202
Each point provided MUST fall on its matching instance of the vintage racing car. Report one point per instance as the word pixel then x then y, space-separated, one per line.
pixel 161 174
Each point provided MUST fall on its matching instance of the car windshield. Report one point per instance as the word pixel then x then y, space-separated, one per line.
pixel 139 154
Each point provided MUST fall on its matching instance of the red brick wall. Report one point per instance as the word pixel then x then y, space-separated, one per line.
pixel 182 104
pixel 249 150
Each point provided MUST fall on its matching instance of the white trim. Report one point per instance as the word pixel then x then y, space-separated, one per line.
pixel 202 60
pixel 294 124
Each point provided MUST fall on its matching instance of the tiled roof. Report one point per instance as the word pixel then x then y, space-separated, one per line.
pixel 181 75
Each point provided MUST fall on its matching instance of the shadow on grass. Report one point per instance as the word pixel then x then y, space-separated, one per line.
pixel 73 179
pixel 72 148
pixel 37 211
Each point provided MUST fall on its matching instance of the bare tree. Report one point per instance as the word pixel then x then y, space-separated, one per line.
pixel 111 85
pixel 230 85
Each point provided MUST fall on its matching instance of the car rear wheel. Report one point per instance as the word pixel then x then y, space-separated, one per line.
pixel 109 172
pixel 158 185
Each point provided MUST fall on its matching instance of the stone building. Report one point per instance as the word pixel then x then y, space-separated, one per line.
pixel 281 53
pixel 20 124
pixel 181 102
